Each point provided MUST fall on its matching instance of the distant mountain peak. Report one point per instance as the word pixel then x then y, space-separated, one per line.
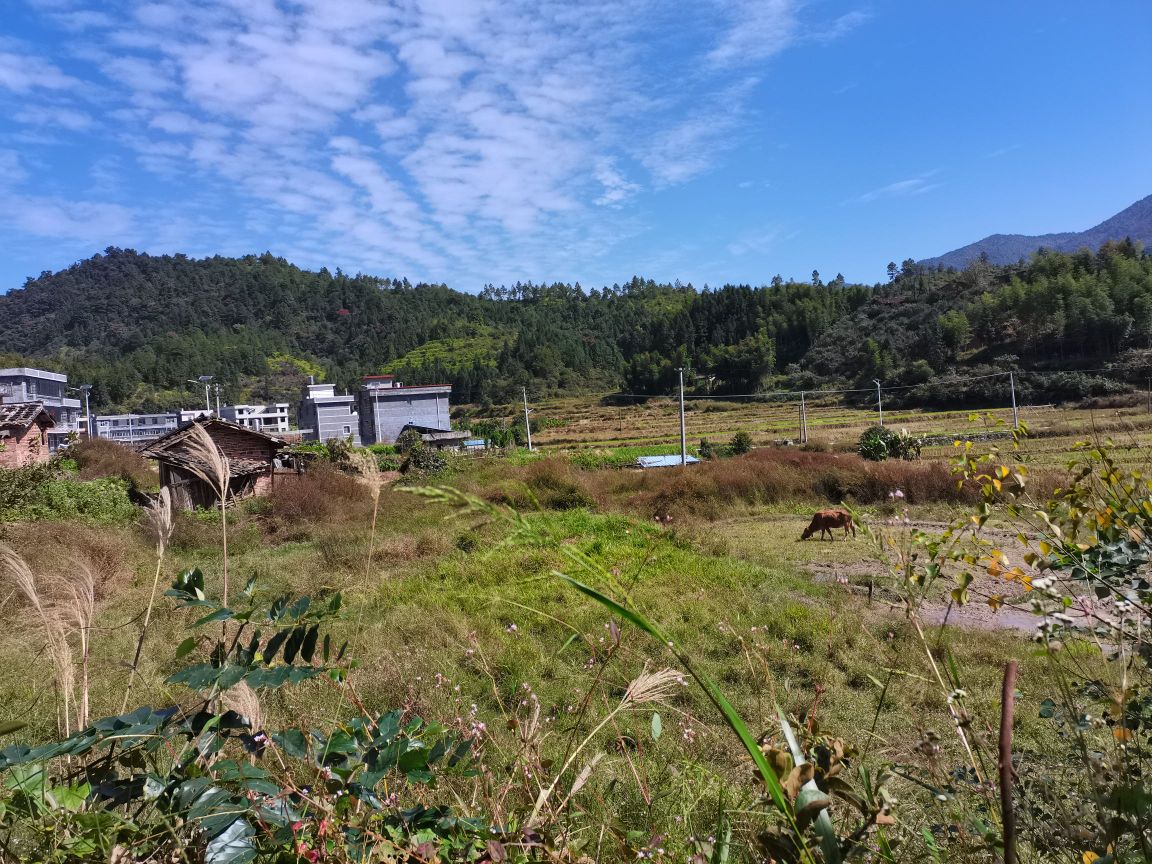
pixel 1134 222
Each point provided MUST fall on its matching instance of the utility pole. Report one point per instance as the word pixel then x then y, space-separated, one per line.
pixel 803 420
pixel 217 386
pixel 879 401
pixel 527 424
pixel 1015 413
pixel 683 428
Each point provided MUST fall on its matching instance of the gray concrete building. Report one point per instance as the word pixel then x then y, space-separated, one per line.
pixel 324 415
pixel 22 384
pixel 387 406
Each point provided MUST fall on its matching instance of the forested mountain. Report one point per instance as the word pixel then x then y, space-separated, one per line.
pixel 139 326
pixel 1133 222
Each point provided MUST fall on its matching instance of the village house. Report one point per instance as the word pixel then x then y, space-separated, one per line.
pixel 24 430
pixel 387 406
pixel 324 415
pixel 251 462
pixel 50 389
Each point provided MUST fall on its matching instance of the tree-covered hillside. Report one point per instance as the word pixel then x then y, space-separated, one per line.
pixel 139 326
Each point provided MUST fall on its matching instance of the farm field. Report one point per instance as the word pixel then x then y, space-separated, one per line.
pixel 586 422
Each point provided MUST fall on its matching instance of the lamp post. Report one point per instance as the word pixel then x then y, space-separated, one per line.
pixel 206 380
pixel 879 401
pixel 86 389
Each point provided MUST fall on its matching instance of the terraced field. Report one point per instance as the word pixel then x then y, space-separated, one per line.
pixel 587 422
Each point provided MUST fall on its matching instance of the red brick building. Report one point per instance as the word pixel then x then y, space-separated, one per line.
pixel 24 434
pixel 251 462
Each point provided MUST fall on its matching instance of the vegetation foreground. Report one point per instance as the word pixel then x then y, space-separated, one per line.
pixel 543 662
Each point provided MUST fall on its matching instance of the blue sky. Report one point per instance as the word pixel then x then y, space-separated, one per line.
pixel 475 141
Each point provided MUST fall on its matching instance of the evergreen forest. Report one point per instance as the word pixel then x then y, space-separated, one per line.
pixel 139 326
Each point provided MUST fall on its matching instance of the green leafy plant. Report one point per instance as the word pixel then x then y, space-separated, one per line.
pixel 206 781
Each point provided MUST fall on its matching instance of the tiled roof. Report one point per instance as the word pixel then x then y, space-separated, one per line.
pixel 21 415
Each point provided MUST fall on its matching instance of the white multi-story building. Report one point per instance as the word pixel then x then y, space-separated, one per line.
pixel 270 419
pixel 135 428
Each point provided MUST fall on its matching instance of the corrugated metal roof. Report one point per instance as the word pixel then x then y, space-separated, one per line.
pixel 663 461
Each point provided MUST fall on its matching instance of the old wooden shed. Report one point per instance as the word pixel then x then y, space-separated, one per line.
pixel 251 458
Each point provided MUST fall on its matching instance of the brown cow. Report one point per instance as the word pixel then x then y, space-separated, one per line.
pixel 825 520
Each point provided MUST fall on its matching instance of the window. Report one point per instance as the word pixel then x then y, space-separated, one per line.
pixel 347 430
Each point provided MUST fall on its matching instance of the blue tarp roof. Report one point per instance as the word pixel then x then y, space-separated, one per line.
pixel 662 461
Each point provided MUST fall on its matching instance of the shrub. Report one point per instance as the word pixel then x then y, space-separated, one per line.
pixel 408 441
pixel 876 443
pixel 708 450
pixel 99 458
pixel 322 495
pixel 425 459
pixel 740 444
pixel 40 492
pixel 558 486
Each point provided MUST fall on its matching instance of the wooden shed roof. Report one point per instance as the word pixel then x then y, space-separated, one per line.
pixel 21 415
pixel 167 448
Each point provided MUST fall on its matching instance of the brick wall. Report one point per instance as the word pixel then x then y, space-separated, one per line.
pixel 30 448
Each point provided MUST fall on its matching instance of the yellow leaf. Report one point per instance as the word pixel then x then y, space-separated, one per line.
pixel 996 602
pixel 1121 734
pixel 1045 549
pixel 1026 580
pixel 1088 857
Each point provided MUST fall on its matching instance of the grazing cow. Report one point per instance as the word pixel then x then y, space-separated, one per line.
pixel 825 520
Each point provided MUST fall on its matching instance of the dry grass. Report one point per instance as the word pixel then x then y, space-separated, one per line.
pixel 322 496
pixel 63 606
pixel 99 457
pixel 763 477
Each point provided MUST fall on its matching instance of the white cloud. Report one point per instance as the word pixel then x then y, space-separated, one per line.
pixel 445 136
pixel 900 189
pixel 758 29
pixel 95 223
pixel 54 117
pixel 23 73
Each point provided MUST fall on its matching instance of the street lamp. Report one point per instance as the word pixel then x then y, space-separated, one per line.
pixel 85 389
pixel 206 380
pixel 879 403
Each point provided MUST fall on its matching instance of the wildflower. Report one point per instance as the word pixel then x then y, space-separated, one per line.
pixel 512 628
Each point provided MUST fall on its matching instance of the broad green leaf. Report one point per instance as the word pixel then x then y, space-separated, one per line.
pixel 657 726
pixel 185 648
pixel 233 845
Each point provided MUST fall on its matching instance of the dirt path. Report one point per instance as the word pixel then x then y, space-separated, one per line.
pixel 852 566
